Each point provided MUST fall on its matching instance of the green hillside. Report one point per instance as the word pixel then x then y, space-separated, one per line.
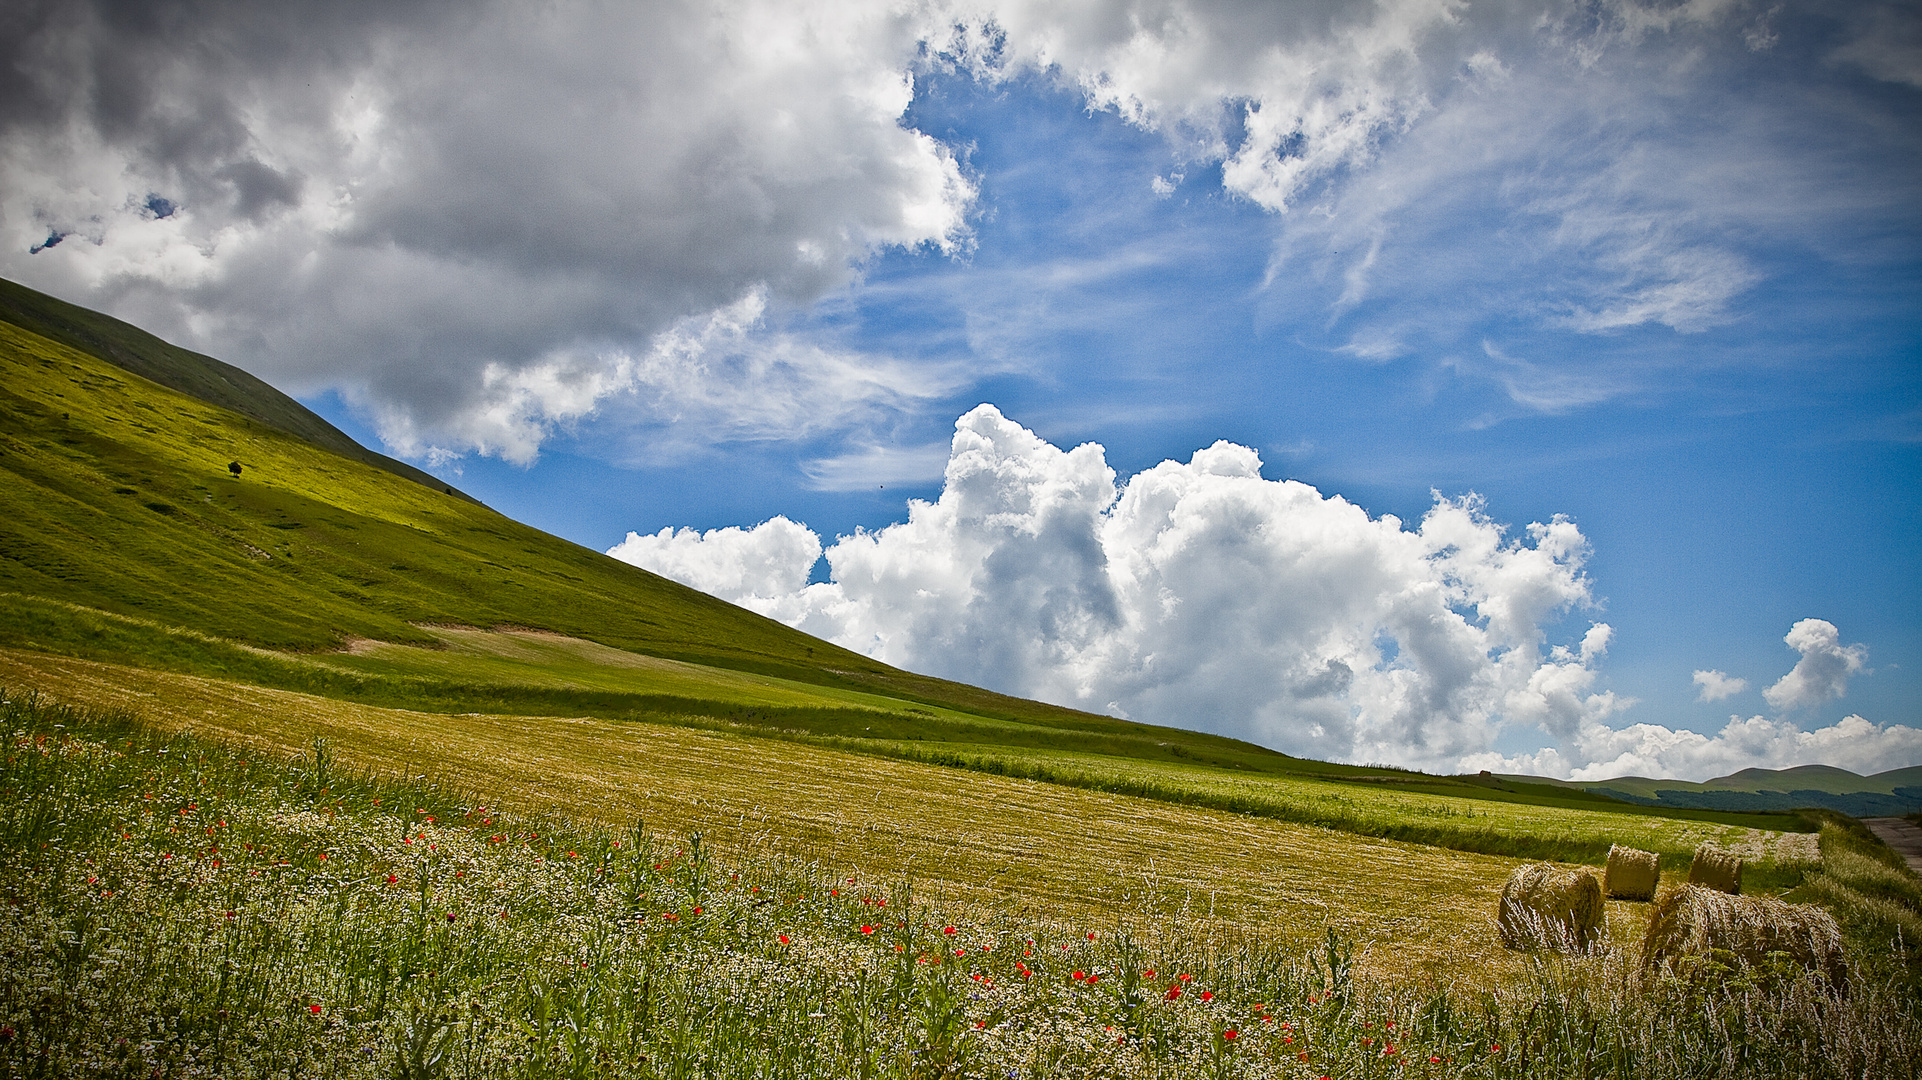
pixel 116 497
pixel 197 376
pixel 125 537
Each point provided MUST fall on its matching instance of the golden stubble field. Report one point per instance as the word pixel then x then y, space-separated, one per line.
pixel 1056 855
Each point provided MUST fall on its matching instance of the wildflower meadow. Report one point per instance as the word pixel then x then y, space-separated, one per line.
pixel 177 907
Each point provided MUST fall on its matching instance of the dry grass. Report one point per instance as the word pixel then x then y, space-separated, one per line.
pixel 1037 850
pixel 1597 829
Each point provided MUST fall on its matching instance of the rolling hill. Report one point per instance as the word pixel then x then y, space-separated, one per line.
pixel 127 539
pixel 1885 794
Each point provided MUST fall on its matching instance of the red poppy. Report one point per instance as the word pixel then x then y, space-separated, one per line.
pixel 1207 995
pixel 947 929
pixel 868 930
pixel 784 939
pixel 1230 1034
pixel 1173 993
pixel 315 1009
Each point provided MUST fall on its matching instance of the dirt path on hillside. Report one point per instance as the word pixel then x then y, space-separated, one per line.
pixel 1905 837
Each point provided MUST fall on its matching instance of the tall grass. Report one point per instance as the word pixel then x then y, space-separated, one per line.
pixel 1872 891
pixel 175 907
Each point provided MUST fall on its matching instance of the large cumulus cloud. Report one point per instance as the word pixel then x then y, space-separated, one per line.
pixel 1197 594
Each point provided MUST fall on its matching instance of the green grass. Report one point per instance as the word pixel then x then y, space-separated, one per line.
pixel 177 907
pixel 197 376
pixel 1872 890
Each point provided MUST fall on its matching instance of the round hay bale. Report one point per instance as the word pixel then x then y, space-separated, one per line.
pixel 1632 874
pixel 1717 869
pixel 1696 922
pixel 1546 907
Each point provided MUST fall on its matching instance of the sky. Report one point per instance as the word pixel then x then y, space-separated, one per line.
pixel 1447 384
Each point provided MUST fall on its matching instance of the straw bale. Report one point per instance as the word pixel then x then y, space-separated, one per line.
pixel 1695 921
pixel 1716 869
pixel 1632 874
pixel 1546 907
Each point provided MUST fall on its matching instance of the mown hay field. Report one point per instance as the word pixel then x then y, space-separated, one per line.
pixel 1368 807
pixel 538 658
pixel 1039 850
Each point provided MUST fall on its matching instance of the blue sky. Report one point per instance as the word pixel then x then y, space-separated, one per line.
pixel 1652 267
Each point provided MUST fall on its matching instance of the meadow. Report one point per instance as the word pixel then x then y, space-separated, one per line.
pixel 182 907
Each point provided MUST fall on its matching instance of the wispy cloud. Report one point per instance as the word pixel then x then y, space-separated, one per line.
pixel 872 467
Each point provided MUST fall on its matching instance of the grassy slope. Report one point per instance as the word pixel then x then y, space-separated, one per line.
pixel 192 374
pixel 124 538
pixel 114 495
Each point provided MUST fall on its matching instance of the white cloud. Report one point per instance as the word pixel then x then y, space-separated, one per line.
pixel 1601 753
pixel 486 222
pixel 1716 685
pixel 771 559
pixel 1198 594
pixel 1824 669
pixel 876 466
pixel 1201 595
pixel 474 219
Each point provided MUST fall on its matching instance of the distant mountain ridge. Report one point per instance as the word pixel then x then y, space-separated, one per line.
pixel 1885 794
pixel 212 381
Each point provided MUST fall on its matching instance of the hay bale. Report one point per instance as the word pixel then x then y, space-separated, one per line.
pixel 1631 874
pixel 1545 907
pixel 1696 922
pixel 1716 869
